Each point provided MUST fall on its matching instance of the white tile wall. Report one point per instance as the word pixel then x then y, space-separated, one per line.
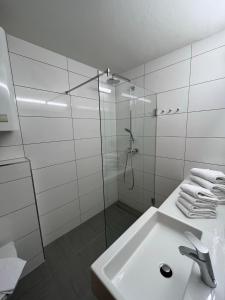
pixel 172 125
pixel 173 100
pixel 80 68
pixel 170 147
pixel 34 74
pixel 49 177
pixel 172 77
pixel 86 128
pixel 87 147
pixel 206 124
pixel 21 190
pixel 191 79
pixel 18 214
pixel 27 49
pixel 39 129
pixel 207 96
pixel 60 135
pixel 208 66
pixel 169 59
pixel 208 150
pixel 214 41
pixel 47 154
pixel 56 197
pixel 47 104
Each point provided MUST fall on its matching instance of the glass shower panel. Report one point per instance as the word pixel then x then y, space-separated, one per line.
pixel 128 137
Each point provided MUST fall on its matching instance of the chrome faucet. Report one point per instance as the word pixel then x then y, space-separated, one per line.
pixel 201 256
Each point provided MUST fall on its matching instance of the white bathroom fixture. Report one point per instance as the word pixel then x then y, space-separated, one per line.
pixel 146 261
pixel 8 111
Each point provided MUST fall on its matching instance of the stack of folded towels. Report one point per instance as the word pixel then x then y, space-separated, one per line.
pixel 199 198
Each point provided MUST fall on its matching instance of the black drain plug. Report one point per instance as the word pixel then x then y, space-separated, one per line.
pixel 165 270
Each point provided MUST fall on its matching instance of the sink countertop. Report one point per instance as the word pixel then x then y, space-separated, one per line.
pixel 213 237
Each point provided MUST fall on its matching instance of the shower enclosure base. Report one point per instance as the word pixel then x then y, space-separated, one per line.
pixel 128 209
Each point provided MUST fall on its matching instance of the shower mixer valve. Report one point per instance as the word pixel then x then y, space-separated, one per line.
pixel 132 150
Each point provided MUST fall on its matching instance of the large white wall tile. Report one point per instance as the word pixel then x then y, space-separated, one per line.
pixel 208 66
pixel 53 176
pixel 21 190
pixel 206 96
pixel 171 147
pixel 11 152
pixel 84 108
pixel 52 236
pixel 191 164
pixel 33 102
pixel 138 126
pixel 87 147
pixel 120 125
pixel 123 109
pixel 108 110
pixel 18 224
pixel 149 164
pixel 14 171
pixel 89 90
pixel 149 145
pixel 149 126
pixel 165 186
pixel 57 218
pixel 88 166
pixel 175 76
pixel 177 99
pixel 27 49
pixel 91 200
pixel 79 68
pixel 172 125
pixel 214 41
pixel 168 59
pixel 89 183
pixel 171 168
pixel 38 129
pixel 30 73
pixel 149 181
pixel 46 154
pixel 206 124
pixel 86 128
pixel 57 197
pixel 208 150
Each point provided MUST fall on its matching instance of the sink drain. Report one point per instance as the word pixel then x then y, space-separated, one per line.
pixel 165 270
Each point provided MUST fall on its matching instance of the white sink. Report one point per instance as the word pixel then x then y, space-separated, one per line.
pixel 130 268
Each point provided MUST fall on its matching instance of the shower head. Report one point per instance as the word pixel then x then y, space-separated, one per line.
pixel 113 81
pixel 116 78
pixel 130 132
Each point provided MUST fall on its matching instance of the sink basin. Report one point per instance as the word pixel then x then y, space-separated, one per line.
pixel 130 268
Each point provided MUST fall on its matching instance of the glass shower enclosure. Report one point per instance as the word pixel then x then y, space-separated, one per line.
pixel 120 132
pixel 128 121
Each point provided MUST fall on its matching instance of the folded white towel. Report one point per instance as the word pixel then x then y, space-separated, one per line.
pixel 195 214
pixel 217 189
pixel 210 175
pixel 196 208
pixel 198 202
pixel 198 192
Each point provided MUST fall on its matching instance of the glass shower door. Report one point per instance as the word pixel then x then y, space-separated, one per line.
pixel 129 141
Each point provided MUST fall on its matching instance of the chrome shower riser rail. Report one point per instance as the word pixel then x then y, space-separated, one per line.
pixel 107 71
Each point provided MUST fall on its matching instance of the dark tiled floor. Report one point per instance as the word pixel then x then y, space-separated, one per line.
pixel 66 271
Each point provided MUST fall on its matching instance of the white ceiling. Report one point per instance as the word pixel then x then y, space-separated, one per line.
pixel 120 34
